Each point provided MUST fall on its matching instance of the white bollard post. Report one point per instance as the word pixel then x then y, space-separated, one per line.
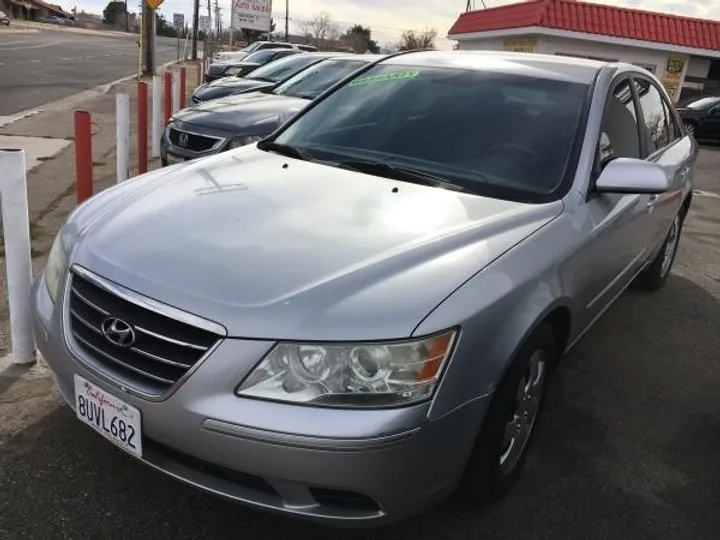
pixel 157 111
pixel 122 106
pixel 176 92
pixel 16 229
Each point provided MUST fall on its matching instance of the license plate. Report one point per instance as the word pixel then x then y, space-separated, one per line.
pixel 111 417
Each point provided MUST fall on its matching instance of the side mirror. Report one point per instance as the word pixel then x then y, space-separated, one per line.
pixel 628 175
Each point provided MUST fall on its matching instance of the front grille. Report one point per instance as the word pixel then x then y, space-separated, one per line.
pixel 190 141
pixel 163 351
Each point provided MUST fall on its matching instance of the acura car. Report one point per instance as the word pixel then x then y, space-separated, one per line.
pixel 359 315
pixel 264 78
pixel 701 116
pixel 247 65
pixel 224 124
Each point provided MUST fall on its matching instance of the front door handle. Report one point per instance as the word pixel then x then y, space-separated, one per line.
pixel 653 200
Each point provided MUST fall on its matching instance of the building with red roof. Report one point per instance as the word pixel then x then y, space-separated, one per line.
pixel 683 52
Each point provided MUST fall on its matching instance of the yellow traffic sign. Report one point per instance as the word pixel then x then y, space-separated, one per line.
pixel 153 4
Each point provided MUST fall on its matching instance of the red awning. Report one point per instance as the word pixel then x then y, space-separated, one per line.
pixel 578 16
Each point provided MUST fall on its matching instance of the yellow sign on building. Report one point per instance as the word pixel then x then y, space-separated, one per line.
pixel 672 76
pixel 521 45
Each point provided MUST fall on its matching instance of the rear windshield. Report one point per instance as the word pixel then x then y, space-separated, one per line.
pixel 261 56
pixel 315 80
pixel 498 134
pixel 283 69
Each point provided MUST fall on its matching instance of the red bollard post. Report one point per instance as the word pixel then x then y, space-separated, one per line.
pixel 183 79
pixel 142 98
pixel 83 156
pixel 168 96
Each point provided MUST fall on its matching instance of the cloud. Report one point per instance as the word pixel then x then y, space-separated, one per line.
pixel 389 19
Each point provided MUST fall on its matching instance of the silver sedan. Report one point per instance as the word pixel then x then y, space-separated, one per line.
pixel 358 315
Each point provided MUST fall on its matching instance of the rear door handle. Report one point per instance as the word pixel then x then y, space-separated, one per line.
pixel 684 172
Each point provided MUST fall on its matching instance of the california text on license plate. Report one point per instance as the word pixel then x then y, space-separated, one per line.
pixel 111 417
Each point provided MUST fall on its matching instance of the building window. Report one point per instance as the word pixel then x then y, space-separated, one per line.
pixel 600 58
pixel 649 67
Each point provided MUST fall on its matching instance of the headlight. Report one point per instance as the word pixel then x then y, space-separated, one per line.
pixel 55 266
pixel 351 375
pixel 237 142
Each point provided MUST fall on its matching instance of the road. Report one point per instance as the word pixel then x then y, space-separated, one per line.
pixel 41 66
pixel 627 447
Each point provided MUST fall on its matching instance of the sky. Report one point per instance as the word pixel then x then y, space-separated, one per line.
pixel 388 18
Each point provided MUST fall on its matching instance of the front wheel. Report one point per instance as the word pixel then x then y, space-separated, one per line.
pixel 502 445
pixel 690 128
pixel 654 276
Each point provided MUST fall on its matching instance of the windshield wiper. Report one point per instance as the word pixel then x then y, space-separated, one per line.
pixel 405 174
pixel 285 150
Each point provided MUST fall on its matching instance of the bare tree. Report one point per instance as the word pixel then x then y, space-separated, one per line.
pixel 320 29
pixel 412 40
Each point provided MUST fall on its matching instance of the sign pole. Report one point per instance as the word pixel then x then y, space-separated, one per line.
pixel 140 42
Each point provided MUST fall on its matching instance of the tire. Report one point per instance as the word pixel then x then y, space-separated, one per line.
pixel 690 127
pixel 497 460
pixel 654 276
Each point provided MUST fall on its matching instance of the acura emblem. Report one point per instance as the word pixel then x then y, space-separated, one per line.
pixel 118 332
pixel 183 140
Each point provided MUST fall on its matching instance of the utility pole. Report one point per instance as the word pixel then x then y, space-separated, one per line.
pixel 218 24
pixel 148 15
pixel 196 14
pixel 287 21
pixel 127 22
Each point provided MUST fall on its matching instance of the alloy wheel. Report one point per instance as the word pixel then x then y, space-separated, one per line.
pixel 670 247
pixel 527 405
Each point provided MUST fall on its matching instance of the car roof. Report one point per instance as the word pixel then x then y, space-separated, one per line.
pixel 362 57
pixel 548 66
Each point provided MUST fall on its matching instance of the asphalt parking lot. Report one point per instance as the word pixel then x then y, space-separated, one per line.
pixel 627 449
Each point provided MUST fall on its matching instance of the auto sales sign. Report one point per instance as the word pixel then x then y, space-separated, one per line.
pixel 252 14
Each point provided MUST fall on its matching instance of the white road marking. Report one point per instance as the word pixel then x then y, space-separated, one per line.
pixel 35 61
pixel 66 58
pixel 709 194
pixel 39 46
pixel 6 120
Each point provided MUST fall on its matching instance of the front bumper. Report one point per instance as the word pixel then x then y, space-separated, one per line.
pixel 344 467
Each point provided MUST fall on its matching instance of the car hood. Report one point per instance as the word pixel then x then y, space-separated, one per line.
pixel 276 248
pixel 239 112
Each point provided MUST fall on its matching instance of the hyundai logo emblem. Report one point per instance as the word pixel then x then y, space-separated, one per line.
pixel 183 140
pixel 118 332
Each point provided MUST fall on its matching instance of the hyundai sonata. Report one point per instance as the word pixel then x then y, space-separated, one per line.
pixel 359 314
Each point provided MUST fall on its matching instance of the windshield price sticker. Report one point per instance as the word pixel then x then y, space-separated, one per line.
pixel 387 77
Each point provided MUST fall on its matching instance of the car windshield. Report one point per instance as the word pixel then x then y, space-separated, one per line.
pixel 315 80
pixel 703 103
pixel 282 69
pixel 497 134
pixel 261 56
